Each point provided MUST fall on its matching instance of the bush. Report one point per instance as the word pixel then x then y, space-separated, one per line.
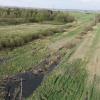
pixel 63 17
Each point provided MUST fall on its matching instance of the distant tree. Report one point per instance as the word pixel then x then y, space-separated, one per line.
pixel 8 11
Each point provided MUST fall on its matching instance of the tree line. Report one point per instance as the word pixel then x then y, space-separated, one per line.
pixel 21 15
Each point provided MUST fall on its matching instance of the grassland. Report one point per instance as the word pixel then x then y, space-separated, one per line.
pixel 76 77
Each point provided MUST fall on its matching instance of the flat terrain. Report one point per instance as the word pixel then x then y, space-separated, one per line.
pixel 68 59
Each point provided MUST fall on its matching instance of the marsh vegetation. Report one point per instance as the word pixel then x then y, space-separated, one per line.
pixel 49 55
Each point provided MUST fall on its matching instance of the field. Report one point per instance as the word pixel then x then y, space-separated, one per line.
pixel 51 62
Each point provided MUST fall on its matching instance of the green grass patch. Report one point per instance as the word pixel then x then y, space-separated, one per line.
pixel 65 83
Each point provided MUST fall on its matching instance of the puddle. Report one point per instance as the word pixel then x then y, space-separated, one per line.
pixel 30 82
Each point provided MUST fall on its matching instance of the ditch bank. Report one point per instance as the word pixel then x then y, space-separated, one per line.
pixel 23 85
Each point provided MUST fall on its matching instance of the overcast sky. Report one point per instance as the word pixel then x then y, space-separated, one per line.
pixel 60 4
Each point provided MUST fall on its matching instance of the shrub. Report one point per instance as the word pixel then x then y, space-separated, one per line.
pixel 64 17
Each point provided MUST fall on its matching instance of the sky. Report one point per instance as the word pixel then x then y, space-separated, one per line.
pixel 56 4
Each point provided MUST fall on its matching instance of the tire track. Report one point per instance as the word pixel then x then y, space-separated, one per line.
pixel 84 47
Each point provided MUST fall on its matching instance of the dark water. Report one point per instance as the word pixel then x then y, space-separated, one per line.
pixel 29 84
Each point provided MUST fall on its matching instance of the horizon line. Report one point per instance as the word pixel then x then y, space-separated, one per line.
pixel 75 9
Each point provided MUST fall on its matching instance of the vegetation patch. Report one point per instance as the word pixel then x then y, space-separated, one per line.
pixel 66 82
pixel 12 40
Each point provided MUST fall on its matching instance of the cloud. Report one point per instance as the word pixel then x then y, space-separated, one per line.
pixel 86 1
pixel 64 4
pixel 90 1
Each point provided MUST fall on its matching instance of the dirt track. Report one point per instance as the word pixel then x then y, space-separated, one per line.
pixel 84 47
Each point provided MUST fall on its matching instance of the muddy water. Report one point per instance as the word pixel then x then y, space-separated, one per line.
pixel 30 82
